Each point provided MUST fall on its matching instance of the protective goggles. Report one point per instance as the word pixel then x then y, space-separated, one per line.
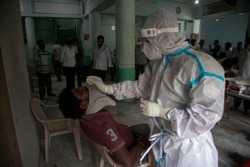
pixel 152 32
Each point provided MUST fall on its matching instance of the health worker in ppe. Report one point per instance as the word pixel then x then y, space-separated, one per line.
pixel 182 90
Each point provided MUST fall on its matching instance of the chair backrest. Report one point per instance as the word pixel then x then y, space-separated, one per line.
pixel 36 107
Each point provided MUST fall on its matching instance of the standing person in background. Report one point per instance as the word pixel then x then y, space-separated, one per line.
pixel 182 90
pixel 69 62
pixel 79 62
pixel 140 59
pixel 237 50
pixel 214 51
pixel 201 46
pixel 227 50
pixel 244 71
pixel 56 57
pixel 102 60
pixel 41 58
pixel 238 55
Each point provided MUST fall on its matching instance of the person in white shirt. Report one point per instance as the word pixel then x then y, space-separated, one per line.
pixel 237 50
pixel 101 60
pixel 69 62
pixel 56 57
pixel 244 71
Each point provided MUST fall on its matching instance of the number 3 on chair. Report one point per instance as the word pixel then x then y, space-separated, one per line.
pixel 112 134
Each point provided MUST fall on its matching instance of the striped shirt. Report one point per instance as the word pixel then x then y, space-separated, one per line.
pixel 41 59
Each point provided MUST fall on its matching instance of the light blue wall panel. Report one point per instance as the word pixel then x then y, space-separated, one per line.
pixel 227 29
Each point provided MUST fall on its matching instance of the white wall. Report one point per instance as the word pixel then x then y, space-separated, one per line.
pixel 107 21
pixel 145 9
pixel 110 36
pixel 227 29
pixel 186 28
pixel 11 40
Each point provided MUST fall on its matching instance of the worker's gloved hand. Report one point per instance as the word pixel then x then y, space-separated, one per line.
pixel 97 81
pixel 152 109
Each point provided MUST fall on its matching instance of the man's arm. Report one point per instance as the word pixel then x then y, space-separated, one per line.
pixel 128 157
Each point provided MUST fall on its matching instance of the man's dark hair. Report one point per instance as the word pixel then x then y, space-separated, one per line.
pixel 100 37
pixel 193 42
pixel 227 64
pixel 70 105
pixel 216 41
pixel 39 41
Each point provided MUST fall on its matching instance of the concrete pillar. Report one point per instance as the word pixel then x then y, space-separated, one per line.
pixel 85 40
pixel 86 46
pixel 31 39
pixel 94 28
pixel 125 39
pixel 196 31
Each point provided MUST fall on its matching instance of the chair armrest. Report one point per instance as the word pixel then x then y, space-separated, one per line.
pixel 48 105
pixel 57 120
pixel 71 123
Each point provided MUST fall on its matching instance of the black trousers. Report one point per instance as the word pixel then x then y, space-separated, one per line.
pixel 69 73
pixel 99 73
pixel 79 73
pixel 58 69
pixel 44 83
pixel 85 72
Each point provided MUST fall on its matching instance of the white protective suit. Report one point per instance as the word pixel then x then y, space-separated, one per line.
pixel 191 84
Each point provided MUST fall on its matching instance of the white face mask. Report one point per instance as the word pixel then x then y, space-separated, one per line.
pixel 151 51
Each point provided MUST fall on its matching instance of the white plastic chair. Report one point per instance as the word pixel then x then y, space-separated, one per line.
pixel 55 127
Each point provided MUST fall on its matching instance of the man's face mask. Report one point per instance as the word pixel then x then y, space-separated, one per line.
pixel 151 51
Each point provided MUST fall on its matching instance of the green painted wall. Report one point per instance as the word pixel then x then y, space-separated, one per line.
pixel 125 74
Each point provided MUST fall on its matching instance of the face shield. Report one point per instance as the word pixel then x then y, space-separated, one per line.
pixel 152 32
pixel 161 31
pixel 151 51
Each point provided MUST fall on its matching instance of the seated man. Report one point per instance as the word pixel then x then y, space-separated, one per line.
pixel 87 104
pixel 227 65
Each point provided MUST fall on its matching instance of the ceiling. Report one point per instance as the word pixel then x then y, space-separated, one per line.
pixel 204 2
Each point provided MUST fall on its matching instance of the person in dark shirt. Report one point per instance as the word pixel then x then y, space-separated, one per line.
pixel 215 49
pixel 88 105
pixel 41 60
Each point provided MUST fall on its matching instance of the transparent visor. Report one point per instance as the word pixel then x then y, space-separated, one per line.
pixel 152 32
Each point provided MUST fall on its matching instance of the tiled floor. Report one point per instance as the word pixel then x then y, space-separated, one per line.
pixel 231 137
